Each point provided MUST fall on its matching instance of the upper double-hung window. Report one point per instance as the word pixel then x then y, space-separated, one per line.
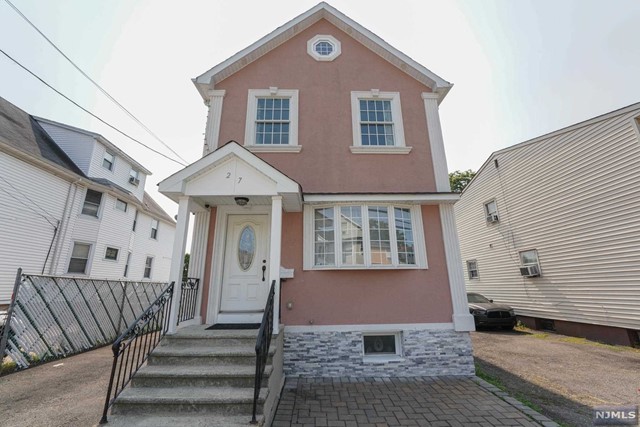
pixel 272 120
pixel 377 123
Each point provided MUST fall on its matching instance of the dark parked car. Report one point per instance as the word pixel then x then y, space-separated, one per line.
pixel 486 313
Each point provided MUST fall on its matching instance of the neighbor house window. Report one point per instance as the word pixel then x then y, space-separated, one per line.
pixel 135 221
pixel 91 204
pixel 324 48
pixel 360 236
pixel 147 267
pixel 111 254
pixel 529 263
pixel 491 211
pixel 79 258
pixel 126 266
pixel 134 177
pixel 272 120
pixel 472 269
pixel 381 345
pixel 154 229
pixel 108 160
pixel 377 122
pixel 121 205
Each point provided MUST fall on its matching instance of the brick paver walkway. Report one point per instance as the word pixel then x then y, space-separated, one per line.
pixel 376 402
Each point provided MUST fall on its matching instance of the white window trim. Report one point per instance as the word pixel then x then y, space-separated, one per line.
pixel 151 236
pixel 113 164
pixel 109 259
pixel 476 269
pixel 144 267
pixel 98 214
pixel 337 47
pixel 126 205
pixel 530 263
pixel 87 270
pixel 418 234
pixel 486 209
pixel 381 358
pixel 250 126
pixel 396 112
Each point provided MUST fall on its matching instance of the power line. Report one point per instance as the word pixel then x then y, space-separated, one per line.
pixel 89 112
pixel 26 197
pixel 27 206
pixel 107 94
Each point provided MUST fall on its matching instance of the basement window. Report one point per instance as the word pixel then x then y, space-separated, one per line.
pixel 381 346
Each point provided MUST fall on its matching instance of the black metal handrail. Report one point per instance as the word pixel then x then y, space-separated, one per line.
pixel 262 347
pixel 132 348
pixel 188 299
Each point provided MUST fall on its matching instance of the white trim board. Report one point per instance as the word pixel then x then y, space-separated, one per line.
pixel 421 199
pixel 383 327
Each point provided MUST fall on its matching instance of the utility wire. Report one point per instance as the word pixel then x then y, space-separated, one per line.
pixel 107 94
pixel 89 112
pixel 27 206
pixel 26 197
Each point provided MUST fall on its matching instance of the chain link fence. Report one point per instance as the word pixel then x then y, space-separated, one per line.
pixel 52 317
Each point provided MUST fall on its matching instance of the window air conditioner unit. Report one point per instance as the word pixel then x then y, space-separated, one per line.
pixel 492 218
pixel 530 271
pixel 133 180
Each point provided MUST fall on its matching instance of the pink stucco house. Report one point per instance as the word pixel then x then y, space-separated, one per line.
pixel 324 170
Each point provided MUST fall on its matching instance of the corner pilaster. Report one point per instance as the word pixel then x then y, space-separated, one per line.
pixel 212 132
pixel 438 157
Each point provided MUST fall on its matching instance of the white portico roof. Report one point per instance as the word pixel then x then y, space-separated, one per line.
pixel 232 171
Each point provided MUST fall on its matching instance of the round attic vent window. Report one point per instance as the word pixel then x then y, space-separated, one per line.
pixel 323 48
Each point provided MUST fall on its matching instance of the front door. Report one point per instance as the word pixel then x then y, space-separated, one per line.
pixel 245 275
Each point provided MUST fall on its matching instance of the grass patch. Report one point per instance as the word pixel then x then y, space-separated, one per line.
pixel 480 373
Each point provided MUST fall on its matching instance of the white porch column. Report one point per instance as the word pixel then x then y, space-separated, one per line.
pixel 462 319
pixel 436 141
pixel 198 253
pixel 274 256
pixel 177 260
pixel 212 131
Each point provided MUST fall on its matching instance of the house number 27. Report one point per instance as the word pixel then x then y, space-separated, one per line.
pixel 229 176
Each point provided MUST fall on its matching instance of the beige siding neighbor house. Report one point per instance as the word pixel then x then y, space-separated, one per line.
pixel 551 226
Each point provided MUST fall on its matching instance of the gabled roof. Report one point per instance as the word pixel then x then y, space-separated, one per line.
pixel 154 209
pixel 20 131
pixel 633 108
pixel 111 146
pixel 322 10
pixel 179 183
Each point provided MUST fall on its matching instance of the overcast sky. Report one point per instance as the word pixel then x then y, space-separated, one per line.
pixel 520 68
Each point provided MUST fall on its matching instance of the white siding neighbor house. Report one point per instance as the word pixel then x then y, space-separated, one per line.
pixel 74 204
pixel 551 226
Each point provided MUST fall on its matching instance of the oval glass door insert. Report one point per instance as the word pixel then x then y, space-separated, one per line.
pixel 246 247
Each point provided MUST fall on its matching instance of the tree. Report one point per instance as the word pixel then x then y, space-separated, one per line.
pixel 185 269
pixel 460 179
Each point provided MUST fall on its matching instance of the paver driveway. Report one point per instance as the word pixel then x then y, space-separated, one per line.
pixel 443 401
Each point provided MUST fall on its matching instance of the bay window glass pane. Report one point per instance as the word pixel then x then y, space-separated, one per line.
pixel 324 237
pixel 352 244
pixel 404 236
pixel 379 235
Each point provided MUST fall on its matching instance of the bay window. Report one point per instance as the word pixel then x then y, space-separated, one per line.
pixel 363 236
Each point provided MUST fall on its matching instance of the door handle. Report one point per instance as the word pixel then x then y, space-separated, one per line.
pixel 264 268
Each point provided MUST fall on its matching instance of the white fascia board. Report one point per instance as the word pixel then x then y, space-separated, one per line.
pixel 176 182
pixel 422 199
pixel 303 21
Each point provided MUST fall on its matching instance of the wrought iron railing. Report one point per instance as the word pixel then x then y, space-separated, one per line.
pixel 262 348
pixel 132 348
pixel 188 299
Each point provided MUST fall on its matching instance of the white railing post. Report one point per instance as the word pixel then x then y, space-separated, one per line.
pixel 274 256
pixel 177 260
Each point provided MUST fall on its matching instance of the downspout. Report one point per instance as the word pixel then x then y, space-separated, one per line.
pixel 55 232
pixel 63 226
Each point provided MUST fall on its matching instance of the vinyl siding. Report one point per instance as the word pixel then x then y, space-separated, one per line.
pixel 24 233
pixel 160 249
pixel 78 146
pixel 119 174
pixel 574 196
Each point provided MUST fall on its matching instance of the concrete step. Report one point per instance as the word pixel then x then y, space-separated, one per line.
pixel 175 401
pixel 198 376
pixel 200 336
pixel 184 421
pixel 205 355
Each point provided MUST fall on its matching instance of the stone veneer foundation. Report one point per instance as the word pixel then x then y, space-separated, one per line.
pixel 339 354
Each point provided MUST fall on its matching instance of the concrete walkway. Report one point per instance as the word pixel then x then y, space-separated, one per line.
pixel 377 402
